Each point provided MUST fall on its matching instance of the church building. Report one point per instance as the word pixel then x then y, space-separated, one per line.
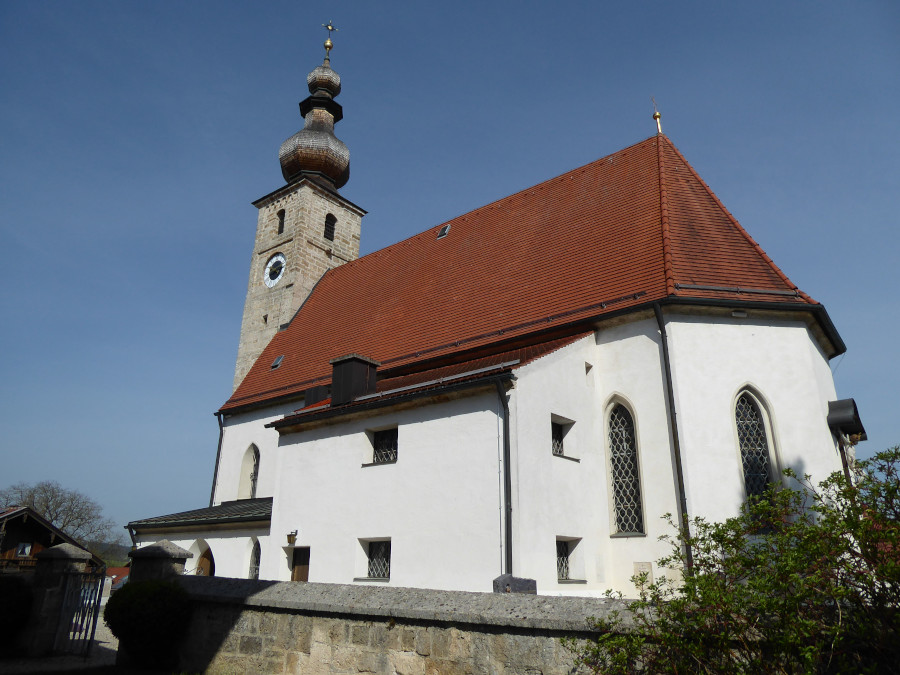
pixel 525 389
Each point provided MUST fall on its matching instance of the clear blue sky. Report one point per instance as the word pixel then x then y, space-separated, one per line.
pixel 134 135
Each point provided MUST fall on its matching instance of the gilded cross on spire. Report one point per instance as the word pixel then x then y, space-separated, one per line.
pixel 328 43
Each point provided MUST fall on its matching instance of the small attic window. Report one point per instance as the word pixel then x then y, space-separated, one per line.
pixel 443 231
pixel 277 362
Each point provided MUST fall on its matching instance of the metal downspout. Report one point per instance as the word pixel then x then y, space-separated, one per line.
pixel 212 493
pixel 507 482
pixel 673 423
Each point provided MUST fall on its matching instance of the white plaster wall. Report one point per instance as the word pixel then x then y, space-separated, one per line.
pixel 555 497
pixel 712 360
pixel 231 550
pixel 439 503
pixel 241 431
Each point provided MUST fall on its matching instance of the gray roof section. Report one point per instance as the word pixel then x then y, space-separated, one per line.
pixel 238 511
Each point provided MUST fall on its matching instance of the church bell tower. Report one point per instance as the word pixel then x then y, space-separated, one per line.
pixel 305 227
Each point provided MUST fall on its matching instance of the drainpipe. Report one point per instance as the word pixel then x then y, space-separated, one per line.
pixel 673 423
pixel 507 481
pixel 212 493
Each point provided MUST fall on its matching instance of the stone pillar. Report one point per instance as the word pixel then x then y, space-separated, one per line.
pixel 162 560
pixel 49 590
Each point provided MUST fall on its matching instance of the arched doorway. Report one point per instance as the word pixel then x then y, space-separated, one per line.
pixel 206 564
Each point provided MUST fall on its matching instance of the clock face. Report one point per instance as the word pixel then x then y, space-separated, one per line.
pixel 274 269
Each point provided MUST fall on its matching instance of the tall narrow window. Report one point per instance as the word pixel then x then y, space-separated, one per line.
pixel 281 221
pixel 623 465
pixel 330 222
pixel 756 458
pixel 255 555
pixel 254 473
pixel 249 473
pixel 379 560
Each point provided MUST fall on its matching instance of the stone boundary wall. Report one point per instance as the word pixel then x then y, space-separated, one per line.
pixel 241 626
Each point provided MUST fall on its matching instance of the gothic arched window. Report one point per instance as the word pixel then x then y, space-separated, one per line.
pixel 249 473
pixel 625 476
pixel 753 442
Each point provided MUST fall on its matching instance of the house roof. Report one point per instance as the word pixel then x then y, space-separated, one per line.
pixel 237 511
pixel 11 512
pixel 636 227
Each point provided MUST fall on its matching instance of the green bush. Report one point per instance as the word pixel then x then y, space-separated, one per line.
pixel 15 607
pixel 805 580
pixel 150 619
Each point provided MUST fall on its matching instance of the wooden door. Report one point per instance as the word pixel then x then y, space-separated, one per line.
pixel 300 564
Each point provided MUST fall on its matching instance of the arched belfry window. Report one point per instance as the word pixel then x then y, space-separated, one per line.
pixel 754 444
pixel 624 472
pixel 249 473
pixel 255 556
pixel 330 222
pixel 281 221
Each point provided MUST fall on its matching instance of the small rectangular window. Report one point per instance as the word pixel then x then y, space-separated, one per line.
pixel 562 560
pixel 557 433
pixel 379 560
pixel 384 443
pixel 560 441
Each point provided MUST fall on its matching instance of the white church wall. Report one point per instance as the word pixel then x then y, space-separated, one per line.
pixel 559 498
pixel 231 550
pixel 712 361
pixel 241 431
pixel 439 503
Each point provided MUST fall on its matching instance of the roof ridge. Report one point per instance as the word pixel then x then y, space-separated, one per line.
pixel 740 228
pixel 664 220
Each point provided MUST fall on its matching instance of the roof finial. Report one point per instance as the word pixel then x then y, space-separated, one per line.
pixel 328 43
pixel 656 116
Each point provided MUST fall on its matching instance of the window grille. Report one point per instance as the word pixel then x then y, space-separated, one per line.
pixel 385 443
pixel 562 560
pixel 254 561
pixel 557 431
pixel 379 560
pixel 624 468
pixel 754 445
pixel 330 222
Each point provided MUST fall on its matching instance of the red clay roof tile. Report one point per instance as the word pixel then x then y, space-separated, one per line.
pixel 636 226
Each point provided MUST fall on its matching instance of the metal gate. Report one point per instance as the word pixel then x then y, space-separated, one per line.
pixel 79 612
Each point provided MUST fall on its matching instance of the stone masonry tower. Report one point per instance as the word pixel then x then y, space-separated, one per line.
pixel 304 228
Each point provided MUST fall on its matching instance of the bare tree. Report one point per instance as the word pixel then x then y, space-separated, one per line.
pixel 74 513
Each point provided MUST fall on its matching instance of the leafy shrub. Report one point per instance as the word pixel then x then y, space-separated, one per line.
pixel 805 580
pixel 15 607
pixel 150 619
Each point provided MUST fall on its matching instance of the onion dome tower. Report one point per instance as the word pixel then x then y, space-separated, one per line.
pixel 303 228
pixel 315 151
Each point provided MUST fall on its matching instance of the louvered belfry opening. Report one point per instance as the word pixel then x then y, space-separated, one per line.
pixel 352 376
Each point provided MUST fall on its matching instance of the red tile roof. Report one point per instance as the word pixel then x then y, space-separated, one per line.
pixel 637 226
